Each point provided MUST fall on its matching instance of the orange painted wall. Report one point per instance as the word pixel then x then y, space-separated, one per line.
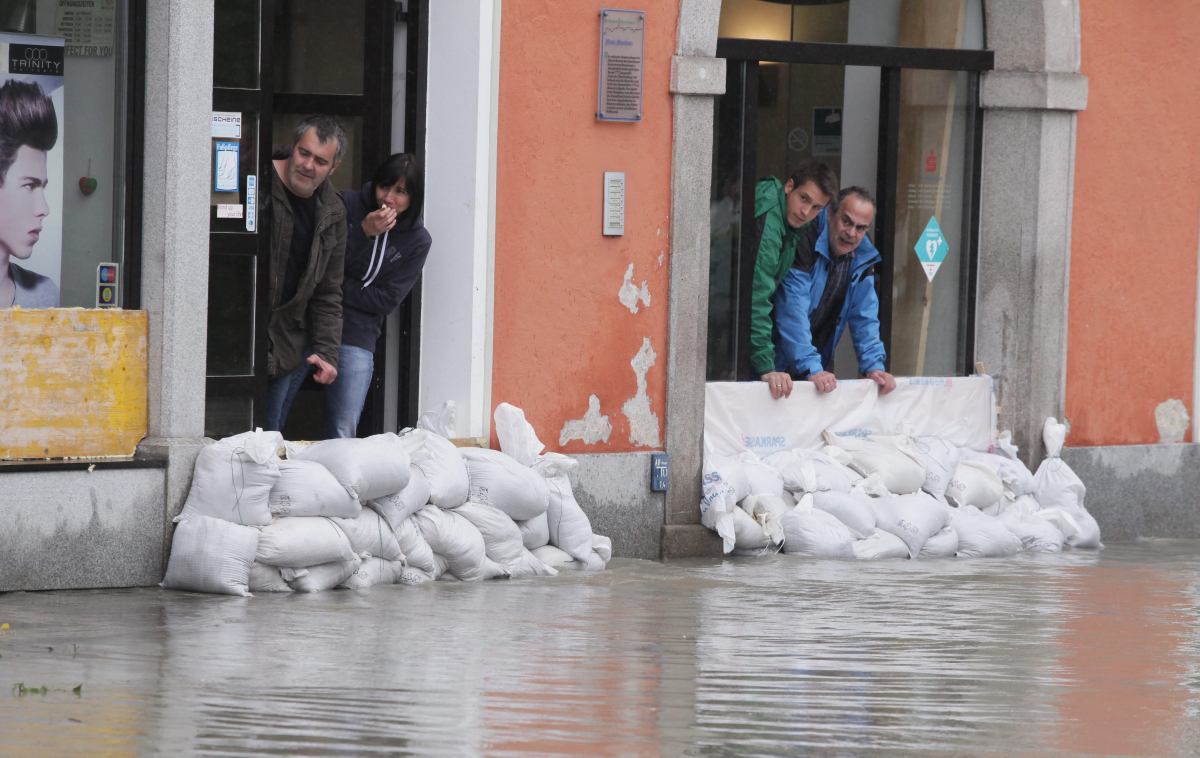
pixel 1131 324
pixel 560 333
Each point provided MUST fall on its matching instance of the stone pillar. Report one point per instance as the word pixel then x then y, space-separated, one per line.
pixel 697 77
pixel 175 191
pixel 1029 101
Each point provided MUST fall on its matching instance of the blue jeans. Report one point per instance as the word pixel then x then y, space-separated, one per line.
pixel 281 392
pixel 344 399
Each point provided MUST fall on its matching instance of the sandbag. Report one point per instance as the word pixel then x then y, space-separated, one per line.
pixel 1014 475
pixel 444 469
pixel 324 576
pixel 1037 534
pixel 535 532
pixel 411 576
pixel 767 511
pixel 805 470
pixel 879 545
pixel 416 549
pixel 748 536
pixel 943 544
pixel 569 526
pixel 602 546
pixel 913 518
pixel 939 457
pixel 498 480
pixel 516 435
pixel 761 479
pixel 1058 489
pixel 264 578
pixel 302 541
pixel 368 468
pixel 976 484
pixel 306 488
pixel 370 535
pixel 815 533
pixel 851 508
pixel 718 501
pixel 981 535
pixel 900 472
pixel 232 479
pixel 555 557
pixel 456 540
pixel 398 506
pixel 211 555
pixel 1078 527
pixel 374 571
pixel 502 540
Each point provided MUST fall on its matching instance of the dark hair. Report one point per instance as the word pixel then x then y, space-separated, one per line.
pixel 818 173
pixel 327 128
pixel 862 192
pixel 26 118
pixel 403 167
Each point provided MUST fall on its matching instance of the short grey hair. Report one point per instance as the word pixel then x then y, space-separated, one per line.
pixel 327 128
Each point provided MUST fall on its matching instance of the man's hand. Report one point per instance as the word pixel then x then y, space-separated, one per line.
pixel 379 221
pixel 886 381
pixel 325 373
pixel 779 382
pixel 824 380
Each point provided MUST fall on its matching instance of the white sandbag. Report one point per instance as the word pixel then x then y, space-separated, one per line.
pixel 441 569
pixel 815 533
pixel 264 578
pixel 398 506
pixel 943 544
pixel 454 538
pixel 439 421
pixel 1005 446
pixel 900 472
pixel 1078 527
pixel 416 549
pixel 913 518
pixel 749 537
pixel 535 532
pixel 1037 534
pixel 306 488
pixel 805 470
pixel 767 511
pixel 879 545
pixel 976 484
pixel 302 541
pixel 444 469
pixel 871 486
pixel 761 479
pixel 602 546
pixel 374 571
pixel 851 508
pixel 499 480
pixel 516 435
pixel 1057 488
pixel 593 563
pixel 324 576
pixel 981 535
pixel 718 501
pixel 555 557
pixel 368 468
pixel 569 526
pixel 940 458
pixel 211 555
pixel 502 540
pixel 370 535
pixel 1055 485
pixel 232 479
pixel 1014 475
pixel 411 576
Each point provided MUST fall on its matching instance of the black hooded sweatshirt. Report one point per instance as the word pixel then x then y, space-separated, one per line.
pixel 380 271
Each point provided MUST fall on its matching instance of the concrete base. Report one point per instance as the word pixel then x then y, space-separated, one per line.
pixel 690 541
pixel 82 529
pixel 1140 490
pixel 614 491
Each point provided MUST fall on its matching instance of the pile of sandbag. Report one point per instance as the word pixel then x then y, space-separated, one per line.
pixel 265 515
pixel 897 496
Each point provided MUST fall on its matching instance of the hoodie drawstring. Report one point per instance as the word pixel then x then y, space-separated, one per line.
pixel 377 254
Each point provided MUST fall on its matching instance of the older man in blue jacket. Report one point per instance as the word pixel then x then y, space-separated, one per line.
pixel 832 285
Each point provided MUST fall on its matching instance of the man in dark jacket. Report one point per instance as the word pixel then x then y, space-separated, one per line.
pixel 308 243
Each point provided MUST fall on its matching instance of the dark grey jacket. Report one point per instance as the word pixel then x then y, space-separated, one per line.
pixel 313 318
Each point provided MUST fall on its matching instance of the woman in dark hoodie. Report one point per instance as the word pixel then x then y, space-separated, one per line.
pixel 386 246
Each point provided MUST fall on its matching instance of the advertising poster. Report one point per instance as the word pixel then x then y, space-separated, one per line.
pixel 31 186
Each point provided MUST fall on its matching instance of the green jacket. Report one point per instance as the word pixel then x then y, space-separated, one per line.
pixel 775 254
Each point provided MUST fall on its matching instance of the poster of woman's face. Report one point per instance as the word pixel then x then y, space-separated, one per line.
pixel 31 127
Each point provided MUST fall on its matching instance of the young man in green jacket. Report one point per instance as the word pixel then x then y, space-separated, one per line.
pixel 780 209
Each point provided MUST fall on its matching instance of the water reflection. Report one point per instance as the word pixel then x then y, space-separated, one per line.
pixel 1079 652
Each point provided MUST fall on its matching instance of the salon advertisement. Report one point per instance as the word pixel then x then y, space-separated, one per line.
pixel 31 170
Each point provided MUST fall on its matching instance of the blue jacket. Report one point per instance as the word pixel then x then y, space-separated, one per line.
pixel 799 293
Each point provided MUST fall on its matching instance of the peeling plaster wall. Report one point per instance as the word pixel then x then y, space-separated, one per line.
pixel 573 308
pixel 1131 324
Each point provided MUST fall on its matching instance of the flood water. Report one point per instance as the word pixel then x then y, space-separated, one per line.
pixel 1079 653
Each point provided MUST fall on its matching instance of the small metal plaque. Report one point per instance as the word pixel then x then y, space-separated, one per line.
pixel 658 472
pixel 621 57
pixel 614 203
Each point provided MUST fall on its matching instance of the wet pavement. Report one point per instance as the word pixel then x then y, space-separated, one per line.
pixel 1076 653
